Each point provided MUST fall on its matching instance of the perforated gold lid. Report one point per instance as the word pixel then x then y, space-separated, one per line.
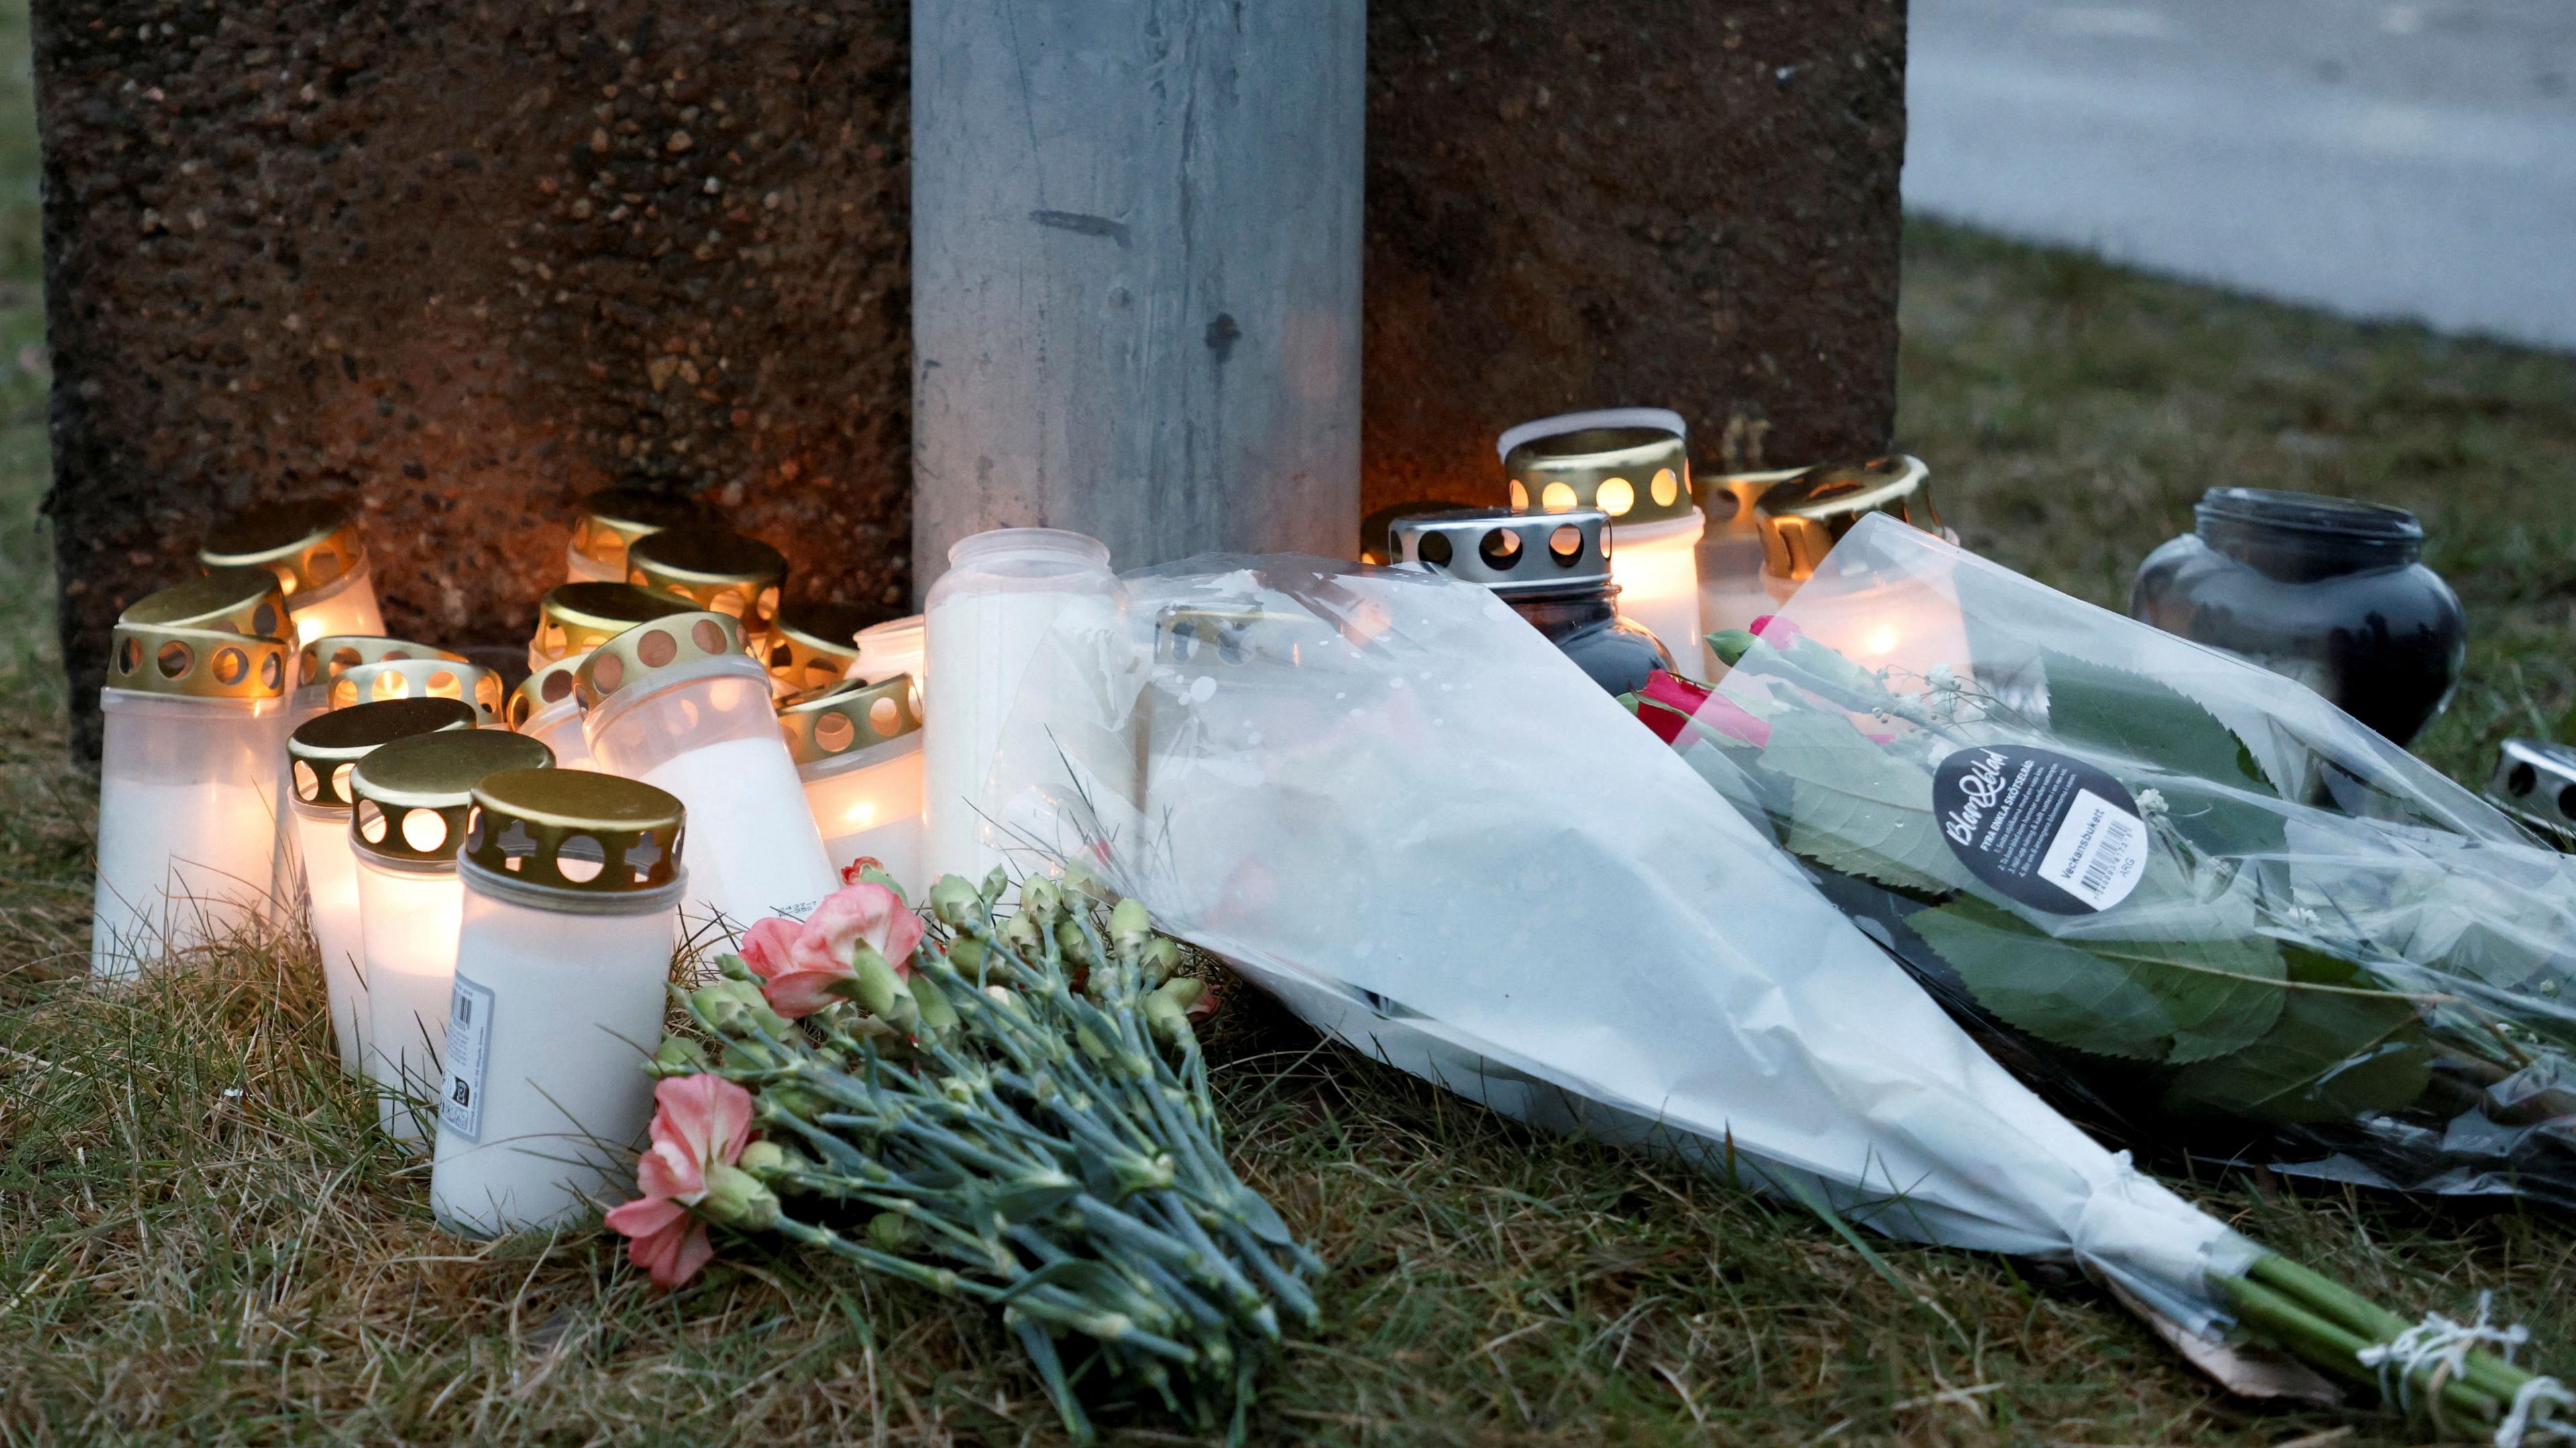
pixel 326 747
pixel 575 618
pixel 1802 518
pixel 1730 498
pixel 411 796
pixel 611 520
pixel 214 637
pixel 1634 474
pixel 323 660
pixel 308 543
pixel 812 645
pixel 713 569
pixel 634 656
pixel 542 690
pixel 477 686
pixel 574 829
pixel 849 716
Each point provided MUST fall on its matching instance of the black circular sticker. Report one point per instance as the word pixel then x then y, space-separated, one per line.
pixel 2046 829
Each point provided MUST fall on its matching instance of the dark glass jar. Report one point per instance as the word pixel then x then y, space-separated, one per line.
pixel 2328 591
pixel 1617 652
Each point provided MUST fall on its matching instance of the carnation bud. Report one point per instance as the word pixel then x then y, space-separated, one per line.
pixel 966 957
pixel 768 1161
pixel 955 902
pixel 1129 925
pixel 1024 936
pixel 937 1016
pixel 1730 645
pixel 736 1198
pixel 1042 899
pixel 733 967
pixel 1167 1009
pixel 994 884
pixel 889 1229
pixel 736 1008
pixel 872 982
pixel 1075 945
pixel 678 1056
pixel 1162 957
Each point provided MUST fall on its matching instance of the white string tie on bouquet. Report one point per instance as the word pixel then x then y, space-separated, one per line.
pixel 2438 1348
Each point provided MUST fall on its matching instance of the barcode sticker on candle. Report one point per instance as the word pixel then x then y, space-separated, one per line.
pixel 469 1042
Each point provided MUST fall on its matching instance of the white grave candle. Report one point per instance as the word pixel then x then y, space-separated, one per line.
pixel 194 713
pixel 313 548
pixel 574 618
pixel 318 664
pixel 410 802
pixel 544 708
pixel 678 705
pixel 1632 463
pixel 570 882
pixel 812 645
pixel 857 747
pixel 892 648
pixel 1002 594
pixel 321 754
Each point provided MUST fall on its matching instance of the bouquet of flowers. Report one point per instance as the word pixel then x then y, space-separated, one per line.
pixel 1384 798
pixel 2183 895
pixel 1012 1109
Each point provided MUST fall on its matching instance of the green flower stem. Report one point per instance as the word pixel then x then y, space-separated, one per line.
pixel 2480 1369
pixel 1041 1351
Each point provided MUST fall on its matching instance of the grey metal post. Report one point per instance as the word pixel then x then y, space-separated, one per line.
pixel 1136 273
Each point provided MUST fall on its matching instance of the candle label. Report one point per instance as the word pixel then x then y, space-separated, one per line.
pixel 469 1041
pixel 2044 828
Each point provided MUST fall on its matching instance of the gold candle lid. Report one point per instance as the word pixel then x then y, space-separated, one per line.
pixel 326 747
pixel 214 637
pixel 848 716
pixel 477 686
pixel 410 796
pixel 575 618
pixel 327 657
pixel 309 544
pixel 812 645
pixel 1517 555
pixel 612 519
pixel 649 648
pixel 1636 474
pixel 1804 517
pixel 1731 497
pixel 575 829
pixel 542 690
pixel 715 570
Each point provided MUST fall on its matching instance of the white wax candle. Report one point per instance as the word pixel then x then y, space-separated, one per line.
pixel 753 848
pixel 187 837
pixel 981 645
pixel 408 921
pixel 869 804
pixel 888 649
pixel 346 605
pixel 1658 580
pixel 286 862
pixel 545 1099
pixel 558 727
pixel 580 567
pixel 331 892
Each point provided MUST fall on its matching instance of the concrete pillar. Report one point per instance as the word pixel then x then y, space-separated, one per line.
pixel 1136 273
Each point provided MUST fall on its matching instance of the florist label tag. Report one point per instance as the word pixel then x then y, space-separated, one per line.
pixel 2044 828
pixel 469 1045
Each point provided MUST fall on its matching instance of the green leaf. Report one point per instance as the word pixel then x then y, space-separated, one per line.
pixel 1857 808
pixel 2144 722
pixel 2331 1057
pixel 2176 999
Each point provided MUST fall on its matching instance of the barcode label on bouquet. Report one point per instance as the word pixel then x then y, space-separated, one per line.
pixel 2044 828
pixel 2099 853
pixel 469 1043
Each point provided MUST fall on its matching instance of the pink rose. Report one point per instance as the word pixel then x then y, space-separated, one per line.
pixel 1684 701
pixel 1776 631
pixel 699 1122
pixel 799 965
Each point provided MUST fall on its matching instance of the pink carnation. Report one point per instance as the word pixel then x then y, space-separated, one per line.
pixel 698 1121
pixel 800 964
pixel 1776 631
pixel 1684 700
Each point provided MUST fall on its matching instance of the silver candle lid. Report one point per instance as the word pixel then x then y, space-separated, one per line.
pixel 1514 554
pixel 2535 782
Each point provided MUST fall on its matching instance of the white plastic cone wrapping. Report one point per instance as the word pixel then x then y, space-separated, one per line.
pixel 1390 802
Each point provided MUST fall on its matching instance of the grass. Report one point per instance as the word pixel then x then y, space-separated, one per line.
pixel 202 1241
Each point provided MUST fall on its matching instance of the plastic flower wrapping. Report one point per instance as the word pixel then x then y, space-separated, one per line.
pixel 2188 898
pixel 1385 799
